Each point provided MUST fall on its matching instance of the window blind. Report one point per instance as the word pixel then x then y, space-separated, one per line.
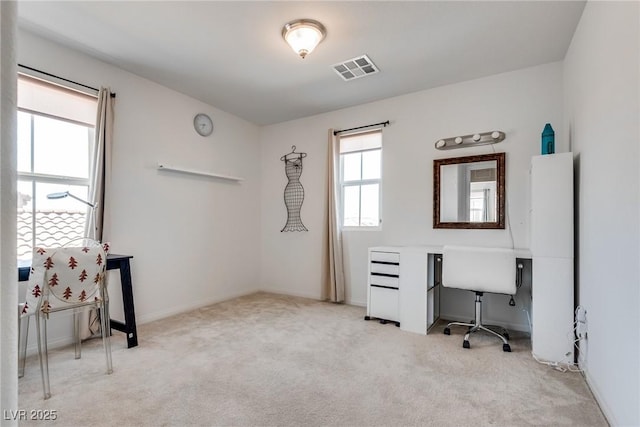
pixel 38 96
pixel 360 141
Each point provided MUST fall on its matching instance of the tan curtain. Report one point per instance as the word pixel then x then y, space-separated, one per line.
pixel 99 187
pixel 101 164
pixel 335 266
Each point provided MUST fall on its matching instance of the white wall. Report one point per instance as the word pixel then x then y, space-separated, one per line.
pixel 8 293
pixel 601 73
pixel 194 239
pixel 518 103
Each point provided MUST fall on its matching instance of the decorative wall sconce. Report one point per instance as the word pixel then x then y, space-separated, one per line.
pixel 469 140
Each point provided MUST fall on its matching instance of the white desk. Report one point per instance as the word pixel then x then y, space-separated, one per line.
pixel 404 285
pixel 414 296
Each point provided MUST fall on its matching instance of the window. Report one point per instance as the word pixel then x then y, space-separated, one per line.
pixel 56 128
pixel 482 193
pixel 360 179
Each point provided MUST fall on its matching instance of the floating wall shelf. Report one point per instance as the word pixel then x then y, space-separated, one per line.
pixel 165 167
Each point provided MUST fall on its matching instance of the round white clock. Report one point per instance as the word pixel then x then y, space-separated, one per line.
pixel 203 124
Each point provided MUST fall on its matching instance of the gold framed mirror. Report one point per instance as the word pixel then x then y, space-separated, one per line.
pixel 469 192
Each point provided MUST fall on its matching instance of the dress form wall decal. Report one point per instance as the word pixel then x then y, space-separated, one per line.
pixel 293 192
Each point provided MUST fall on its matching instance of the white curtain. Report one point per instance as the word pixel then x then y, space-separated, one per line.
pixel 335 265
pixel 99 186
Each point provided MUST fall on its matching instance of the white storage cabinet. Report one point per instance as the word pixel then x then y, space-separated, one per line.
pixel 552 252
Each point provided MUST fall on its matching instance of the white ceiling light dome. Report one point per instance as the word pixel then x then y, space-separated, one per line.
pixel 303 35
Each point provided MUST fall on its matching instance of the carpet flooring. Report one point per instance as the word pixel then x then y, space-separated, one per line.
pixel 273 360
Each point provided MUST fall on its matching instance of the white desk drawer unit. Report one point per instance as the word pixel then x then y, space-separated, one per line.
pixel 382 290
pixel 403 286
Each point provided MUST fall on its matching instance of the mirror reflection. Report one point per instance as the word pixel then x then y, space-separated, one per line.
pixel 469 192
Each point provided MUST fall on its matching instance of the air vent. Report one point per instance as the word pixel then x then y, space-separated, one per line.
pixel 355 68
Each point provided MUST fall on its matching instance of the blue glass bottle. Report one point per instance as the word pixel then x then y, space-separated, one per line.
pixel 548 140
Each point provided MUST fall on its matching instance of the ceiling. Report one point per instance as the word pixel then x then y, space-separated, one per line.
pixel 231 54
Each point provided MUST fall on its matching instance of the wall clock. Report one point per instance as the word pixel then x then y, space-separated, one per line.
pixel 203 124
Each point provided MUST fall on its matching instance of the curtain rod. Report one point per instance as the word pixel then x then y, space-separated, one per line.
pixel 113 95
pixel 384 124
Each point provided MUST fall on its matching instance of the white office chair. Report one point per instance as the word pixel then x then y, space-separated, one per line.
pixel 479 270
pixel 66 278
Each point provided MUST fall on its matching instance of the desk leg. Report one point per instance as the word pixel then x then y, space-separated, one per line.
pixel 129 326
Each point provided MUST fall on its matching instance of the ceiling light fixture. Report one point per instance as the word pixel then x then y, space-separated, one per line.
pixel 303 35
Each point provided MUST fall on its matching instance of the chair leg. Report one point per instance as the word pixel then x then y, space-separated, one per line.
pixel 22 351
pixel 468 325
pixel 478 326
pixel 484 328
pixel 106 333
pixel 23 335
pixel 76 333
pixel 43 354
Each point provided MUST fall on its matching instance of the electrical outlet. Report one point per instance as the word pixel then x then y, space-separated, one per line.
pixel 581 323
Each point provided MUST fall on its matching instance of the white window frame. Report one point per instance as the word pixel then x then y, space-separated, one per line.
pixel 360 183
pixel 34 178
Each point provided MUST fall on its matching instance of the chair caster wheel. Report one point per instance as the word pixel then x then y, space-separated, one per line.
pixel 367 318
pixel 465 344
pixel 382 321
pixel 397 324
pixel 506 348
pixel 447 331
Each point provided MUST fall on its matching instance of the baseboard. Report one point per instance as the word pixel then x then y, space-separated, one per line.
pixel 604 408
pixel 62 341
pixel 51 344
pixel 189 307
pixel 314 297
pixel 356 303
pixel 307 295
pixel 291 294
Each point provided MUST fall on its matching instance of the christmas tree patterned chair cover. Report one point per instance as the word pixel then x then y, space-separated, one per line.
pixel 70 277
